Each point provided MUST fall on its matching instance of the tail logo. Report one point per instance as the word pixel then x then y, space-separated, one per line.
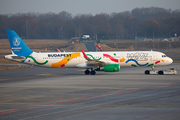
pixel 16 41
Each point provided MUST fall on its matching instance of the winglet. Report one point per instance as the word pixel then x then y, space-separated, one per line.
pixel 85 56
pixel 58 50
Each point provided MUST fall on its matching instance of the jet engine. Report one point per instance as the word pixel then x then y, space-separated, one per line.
pixel 109 68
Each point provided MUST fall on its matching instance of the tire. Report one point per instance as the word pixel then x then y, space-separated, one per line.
pixel 87 72
pixel 160 72
pixel 147 72
pixel 93 72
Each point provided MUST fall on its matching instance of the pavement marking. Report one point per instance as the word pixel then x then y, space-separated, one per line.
pixel 49 75
pixel 4 79
pixel 81 70
pixel 106 102
pixel 78 108
pixel 15 110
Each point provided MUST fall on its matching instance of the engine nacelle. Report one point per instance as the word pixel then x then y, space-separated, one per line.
pixel 110 68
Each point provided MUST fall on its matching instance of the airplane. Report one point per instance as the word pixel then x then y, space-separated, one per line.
pixel 108 61
pixel 58 50
pixel 99 47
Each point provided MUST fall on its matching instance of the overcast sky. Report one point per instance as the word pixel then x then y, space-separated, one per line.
pixel 81 6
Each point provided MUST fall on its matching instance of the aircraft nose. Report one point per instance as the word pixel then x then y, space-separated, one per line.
pixel 170 60
pixel 4 57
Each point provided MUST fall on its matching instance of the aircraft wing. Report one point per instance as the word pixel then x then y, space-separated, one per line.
pixel 96 63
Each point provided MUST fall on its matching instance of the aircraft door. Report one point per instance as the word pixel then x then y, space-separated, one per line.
pixel 155 57
pixel 81 58
pixel 122 59
pixel 33 58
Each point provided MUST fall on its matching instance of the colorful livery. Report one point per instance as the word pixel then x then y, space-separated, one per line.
pixel 92 61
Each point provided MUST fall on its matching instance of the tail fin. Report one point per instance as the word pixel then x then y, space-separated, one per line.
pixel 18 46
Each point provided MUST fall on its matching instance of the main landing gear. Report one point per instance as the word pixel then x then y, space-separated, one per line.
pixel 92 72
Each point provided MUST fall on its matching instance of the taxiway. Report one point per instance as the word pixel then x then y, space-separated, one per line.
pixel 58 94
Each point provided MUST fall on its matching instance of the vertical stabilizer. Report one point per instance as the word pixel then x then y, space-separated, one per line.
pixel 18 46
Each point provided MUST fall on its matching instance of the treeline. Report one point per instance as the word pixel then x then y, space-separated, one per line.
pixel 141 22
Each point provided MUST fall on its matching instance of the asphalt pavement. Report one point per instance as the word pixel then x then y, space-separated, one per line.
pixel 57 94
pixel 90 46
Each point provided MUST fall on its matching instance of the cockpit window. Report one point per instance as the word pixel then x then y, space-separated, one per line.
pixel 164 56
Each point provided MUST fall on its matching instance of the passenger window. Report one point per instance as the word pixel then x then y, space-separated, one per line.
pixel 164 56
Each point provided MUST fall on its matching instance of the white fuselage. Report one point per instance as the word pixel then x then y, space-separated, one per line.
pixel 96 61
pixel 76 59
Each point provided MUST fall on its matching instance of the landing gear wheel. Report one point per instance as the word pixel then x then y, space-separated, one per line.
pixel 87 72
pixel 160 72
pixel 147 72
pixel 93 72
